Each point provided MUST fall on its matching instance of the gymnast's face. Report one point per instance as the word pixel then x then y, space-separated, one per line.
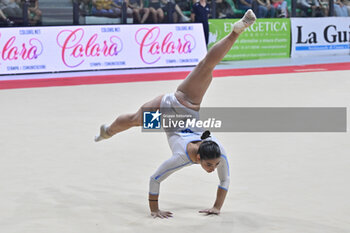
pixel 209 165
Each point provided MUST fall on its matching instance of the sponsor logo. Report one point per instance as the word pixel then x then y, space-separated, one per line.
pixel 153 45
pixel 29 50
pixel 75 49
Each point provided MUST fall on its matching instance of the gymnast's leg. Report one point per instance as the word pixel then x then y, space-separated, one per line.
pixel 191 91
pixel 126 121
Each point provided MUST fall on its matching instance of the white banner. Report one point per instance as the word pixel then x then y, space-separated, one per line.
pixel 320 36
pixel 73 48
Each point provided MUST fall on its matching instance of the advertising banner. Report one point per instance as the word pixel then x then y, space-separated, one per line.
pixel 76 48
pixel 267 38
pixel 320 36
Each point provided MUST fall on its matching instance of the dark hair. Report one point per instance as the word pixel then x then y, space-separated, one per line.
pixel 208 149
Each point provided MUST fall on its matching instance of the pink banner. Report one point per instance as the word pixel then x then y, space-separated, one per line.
pixel 73 48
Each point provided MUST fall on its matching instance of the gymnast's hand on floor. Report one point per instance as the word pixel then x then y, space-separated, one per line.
pixel 210 211
pixel 162 214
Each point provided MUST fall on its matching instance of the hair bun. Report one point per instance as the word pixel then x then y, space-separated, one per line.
pixel 205 135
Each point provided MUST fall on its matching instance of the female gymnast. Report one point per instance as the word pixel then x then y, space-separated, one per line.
pixel 188 146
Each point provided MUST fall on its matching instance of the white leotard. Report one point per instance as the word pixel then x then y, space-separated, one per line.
pixel 178 142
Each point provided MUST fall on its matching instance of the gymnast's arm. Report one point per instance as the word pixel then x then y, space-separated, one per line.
pixel 224 176
pixel 166 168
